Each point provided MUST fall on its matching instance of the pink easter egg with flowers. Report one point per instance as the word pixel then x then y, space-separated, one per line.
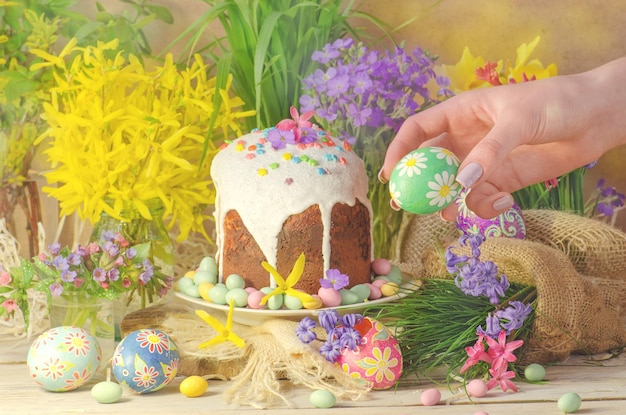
pixel 377 360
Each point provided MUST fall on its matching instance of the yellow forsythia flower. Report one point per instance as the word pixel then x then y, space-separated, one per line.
pixel 121 135
pixel 463 74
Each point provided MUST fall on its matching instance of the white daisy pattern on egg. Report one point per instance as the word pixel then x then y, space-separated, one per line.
pixel 444 189
pixel 395 194
pixel 447 155
pixel 412 163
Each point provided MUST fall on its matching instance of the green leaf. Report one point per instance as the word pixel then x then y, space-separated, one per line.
pixel 143 250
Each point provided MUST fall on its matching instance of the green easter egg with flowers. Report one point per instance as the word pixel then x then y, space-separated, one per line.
pixel 423 181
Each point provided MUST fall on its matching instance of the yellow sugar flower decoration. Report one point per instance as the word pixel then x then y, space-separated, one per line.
pixel 122 135
pixel 224 333
pixel 286 286
pixel 463 76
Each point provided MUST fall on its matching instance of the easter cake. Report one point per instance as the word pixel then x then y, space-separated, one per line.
pixel 290 190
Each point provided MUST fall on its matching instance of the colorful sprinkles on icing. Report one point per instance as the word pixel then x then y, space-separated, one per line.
pixel 294 136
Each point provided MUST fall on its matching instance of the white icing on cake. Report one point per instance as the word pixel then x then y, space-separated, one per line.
pixel 267 185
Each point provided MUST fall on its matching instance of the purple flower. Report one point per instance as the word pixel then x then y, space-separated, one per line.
pixel 54 248
pixel 111 248
pixel 330 349
pixel 328 319
pixel 351 320
pixel 56 289
pixel 74 258
pixel 350 339
pixel 60 263
pixel 131 253
pixel 280 138
pixel 492 327
pixel 453 260
pixel 68 275
pixel 99 274
pixel 304 330
pixel 113 274
pixel 334 279
pixel 515 314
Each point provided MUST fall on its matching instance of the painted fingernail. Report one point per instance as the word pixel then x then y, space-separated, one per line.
pixel 381 178
pixel 469 175
pixel 393 205
pixel 504 203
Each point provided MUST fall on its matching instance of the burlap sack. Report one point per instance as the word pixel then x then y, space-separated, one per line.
pixel 578 266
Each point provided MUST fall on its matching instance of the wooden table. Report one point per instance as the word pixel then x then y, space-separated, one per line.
pixel 601 384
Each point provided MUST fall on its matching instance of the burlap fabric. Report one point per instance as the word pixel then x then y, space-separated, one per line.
pixel 577 264
pixel 273 357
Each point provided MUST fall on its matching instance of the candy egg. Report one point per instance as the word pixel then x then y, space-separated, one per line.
pixel 208 264
pixel 183 283
pixel 145 361
pixel 329 296
pixel 377 360
pixel 348 297
pixel 322 398
pixel 292 303
pixel 375 293
pixel 534 372
pixel 63 358
pixel 477 388
pixel 204 276
pixel 203 290
pixel 423 181
pixel 254 299
pixel 430 397
pixel 362 291
pixel 381 266
pixel 569 402
pixel 509 224
pixel 235 281
pixel 217 294
pixel 389 289
pixel 239 296
pixel 106 392
pixel 193 386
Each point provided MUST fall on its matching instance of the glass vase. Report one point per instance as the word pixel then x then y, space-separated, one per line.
pixel 95 315
pixel 138 230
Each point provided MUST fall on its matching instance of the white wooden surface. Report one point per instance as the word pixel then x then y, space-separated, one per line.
pixel 602 386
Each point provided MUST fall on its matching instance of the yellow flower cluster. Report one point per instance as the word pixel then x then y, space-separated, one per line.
pixel 122 135
pixel 463 74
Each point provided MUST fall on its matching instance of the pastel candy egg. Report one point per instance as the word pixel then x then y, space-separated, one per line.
pixel 145 361
pixel 430 397
pixel 106 392
pixel 348 297
pixel 314 303
pixel 569 402
pixel 477 388
pixel 381 266
pixel 192 291
pixel 377 360
pixel 235 281
pixel 535 372
pixel 509 224
pixel 204 276
pixel 394 275
pixel 375 292
pixel 362 291
pixel 238 296
pixel 183 283
pixel 217 294
pixel 293 303
pixel 322 398
pixel 389 289
pixel 208 264
pixel 63 358
pixel 275 302
pixel 254 299
pixel 423 181
pixel 329 296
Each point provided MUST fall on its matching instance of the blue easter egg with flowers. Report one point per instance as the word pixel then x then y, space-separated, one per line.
pixel 145 361
pixel 423 181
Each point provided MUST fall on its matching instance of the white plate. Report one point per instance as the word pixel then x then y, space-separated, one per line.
pixel 252 317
